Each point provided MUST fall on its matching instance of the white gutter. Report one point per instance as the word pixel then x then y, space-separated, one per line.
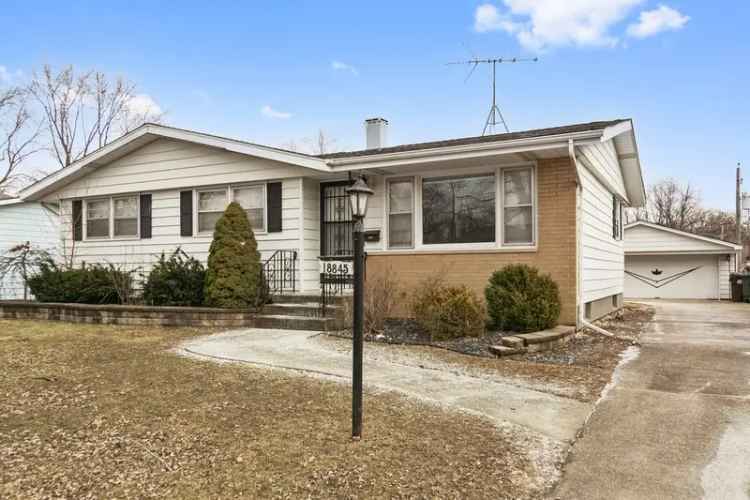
pixel 481 149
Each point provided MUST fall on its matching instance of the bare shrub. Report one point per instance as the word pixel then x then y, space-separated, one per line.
pixel 447 312
pixel 382 296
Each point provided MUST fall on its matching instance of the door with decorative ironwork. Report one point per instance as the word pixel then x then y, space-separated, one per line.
pixel 336 221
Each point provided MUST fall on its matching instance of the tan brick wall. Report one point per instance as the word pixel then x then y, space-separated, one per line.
pixel 555 254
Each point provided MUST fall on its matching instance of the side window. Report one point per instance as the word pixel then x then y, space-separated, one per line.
pixel 401 213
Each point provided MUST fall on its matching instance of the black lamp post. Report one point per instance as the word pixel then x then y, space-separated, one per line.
pixel 359 194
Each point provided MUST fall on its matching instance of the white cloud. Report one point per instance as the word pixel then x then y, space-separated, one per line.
pixel 655 21
pixel 7 76
pixel 341 66
pixel 543 24
pixel 143 105
pixel 272 113
pixel 488 18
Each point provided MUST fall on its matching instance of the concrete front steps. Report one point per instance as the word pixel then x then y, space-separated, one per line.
pixel 296 312
pixel 533 342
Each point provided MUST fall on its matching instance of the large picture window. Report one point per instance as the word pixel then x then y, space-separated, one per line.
pixel 458 210
pixel 125 216
pixel 253 200
pixel 518 206
pixel 400 213
pixel 97 218
pixel 211 205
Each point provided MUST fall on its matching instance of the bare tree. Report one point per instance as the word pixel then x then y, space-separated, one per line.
pixel 17 135
pixel 84 112
pixel 322 143
pixel 673 205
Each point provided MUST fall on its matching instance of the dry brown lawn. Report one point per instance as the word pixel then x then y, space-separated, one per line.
pixel 91 411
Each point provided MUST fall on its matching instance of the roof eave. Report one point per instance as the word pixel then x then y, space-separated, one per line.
pixel 151 131
pixel 728 244
pixel 461 151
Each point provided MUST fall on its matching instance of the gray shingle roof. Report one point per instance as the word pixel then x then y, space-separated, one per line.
pixel 527 134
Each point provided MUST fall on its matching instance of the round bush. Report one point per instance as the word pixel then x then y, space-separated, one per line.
pixel 448 312
pixel 233 278
pixel 176 281
pixel 521 299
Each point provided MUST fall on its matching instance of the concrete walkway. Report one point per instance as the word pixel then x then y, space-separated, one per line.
pixel 677 425
pixel 553 417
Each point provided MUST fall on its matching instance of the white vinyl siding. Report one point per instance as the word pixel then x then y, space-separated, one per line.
pixel 174 166
pixel 22 222
pixel 645 239
pixel 603 157
pixel 310 266
pixel 602 269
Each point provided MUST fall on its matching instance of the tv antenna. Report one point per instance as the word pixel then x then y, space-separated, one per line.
pixel 495 117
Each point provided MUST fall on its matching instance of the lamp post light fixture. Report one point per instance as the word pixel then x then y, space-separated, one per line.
pixel 359 193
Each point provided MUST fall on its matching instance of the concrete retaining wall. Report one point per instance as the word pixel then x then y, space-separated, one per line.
pixel 129 315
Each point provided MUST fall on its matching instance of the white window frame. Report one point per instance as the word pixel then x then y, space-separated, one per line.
pixel 229 193
pixel 196 206
pixel 498 245
pixel 533 205
pixel 264 197
pixel 86 219
pixel 412 211
pixel 111 219
pixel 137 234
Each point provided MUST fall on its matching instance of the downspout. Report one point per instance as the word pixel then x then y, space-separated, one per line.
pixel 582 322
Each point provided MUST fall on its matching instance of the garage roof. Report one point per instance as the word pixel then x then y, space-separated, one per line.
pixel 646 238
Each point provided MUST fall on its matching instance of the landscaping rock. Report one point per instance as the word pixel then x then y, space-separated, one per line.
pixel 501 350
pixel 513 342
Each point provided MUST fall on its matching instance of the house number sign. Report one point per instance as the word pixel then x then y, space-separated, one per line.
pixel 336 267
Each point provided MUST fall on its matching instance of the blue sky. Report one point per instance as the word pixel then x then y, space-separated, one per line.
pixel 680 70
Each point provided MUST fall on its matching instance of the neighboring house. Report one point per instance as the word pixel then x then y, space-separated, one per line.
pixel 35 222
pixel 661 262
pixel 462 208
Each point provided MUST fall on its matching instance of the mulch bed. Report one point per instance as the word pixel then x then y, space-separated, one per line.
pixel 408 332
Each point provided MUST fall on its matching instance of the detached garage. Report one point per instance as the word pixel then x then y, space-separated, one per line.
pixel 662 262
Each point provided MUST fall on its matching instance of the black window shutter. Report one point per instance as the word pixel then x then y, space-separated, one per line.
pixel 273 194
pixel 145 216
pixel 77 220
pixel 186 213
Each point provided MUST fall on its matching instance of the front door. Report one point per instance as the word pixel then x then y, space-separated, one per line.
pixel 336 221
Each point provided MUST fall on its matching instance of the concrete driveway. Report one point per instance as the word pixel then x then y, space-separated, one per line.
pixel 677 424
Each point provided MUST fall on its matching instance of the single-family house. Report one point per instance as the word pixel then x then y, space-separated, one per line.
pixel 25 221
pixel 463 208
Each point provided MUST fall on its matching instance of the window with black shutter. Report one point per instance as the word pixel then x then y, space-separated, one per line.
pixel 77 220
pixel 186 213
pixel 273 194
pixel 145 216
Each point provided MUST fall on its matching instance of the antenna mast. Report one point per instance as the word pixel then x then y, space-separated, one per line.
pixel 495 116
